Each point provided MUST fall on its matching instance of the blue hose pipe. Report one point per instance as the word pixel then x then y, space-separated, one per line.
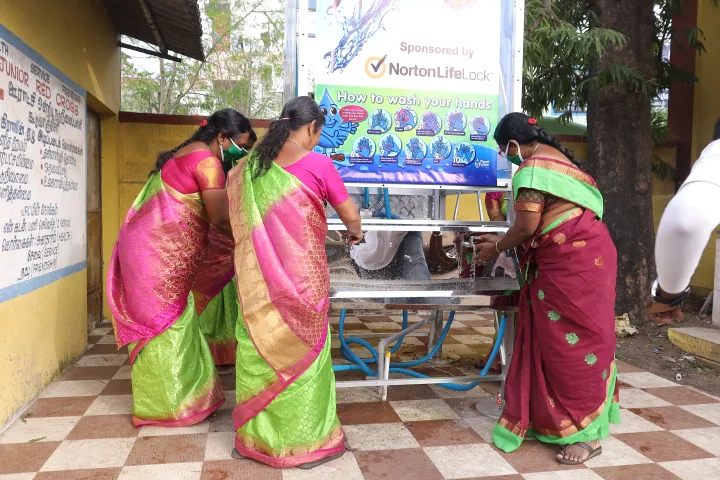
pixel 459 387
pixel 435 349
pixel 346 350
pixel 361 364
pixel 386 199
pixel 400 340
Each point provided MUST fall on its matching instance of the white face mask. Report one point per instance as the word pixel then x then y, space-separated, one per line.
pixel 515 159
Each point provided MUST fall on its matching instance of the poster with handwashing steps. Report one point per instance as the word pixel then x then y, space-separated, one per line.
pixel 410 90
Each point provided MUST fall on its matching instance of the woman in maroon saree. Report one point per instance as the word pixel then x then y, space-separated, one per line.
pixel 561 386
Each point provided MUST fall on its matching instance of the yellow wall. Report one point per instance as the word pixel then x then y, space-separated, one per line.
pixel 139 144
pixel 705 113
pixel 45 330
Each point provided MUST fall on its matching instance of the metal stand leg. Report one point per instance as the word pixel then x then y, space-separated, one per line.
pixel 436 328
pixel 492 406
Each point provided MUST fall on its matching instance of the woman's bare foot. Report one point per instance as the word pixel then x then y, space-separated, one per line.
pixel 578 453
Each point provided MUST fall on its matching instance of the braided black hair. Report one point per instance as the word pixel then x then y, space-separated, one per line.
pixel 517 126
pixel 296 114
pixel 228 121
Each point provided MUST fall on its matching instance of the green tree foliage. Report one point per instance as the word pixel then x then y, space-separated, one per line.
pixel 243 66
pixel 605 57
pixel 563 40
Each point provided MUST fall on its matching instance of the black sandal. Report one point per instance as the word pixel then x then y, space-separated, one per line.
pixel 305 466
pixel 225 370
pixel 308 466
pixel 593 452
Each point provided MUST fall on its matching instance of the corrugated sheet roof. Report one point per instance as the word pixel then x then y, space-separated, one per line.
pixel 177 22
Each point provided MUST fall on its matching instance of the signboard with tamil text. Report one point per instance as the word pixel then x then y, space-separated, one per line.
pixel 43 177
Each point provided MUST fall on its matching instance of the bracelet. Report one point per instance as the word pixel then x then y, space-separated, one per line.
pixel 496 247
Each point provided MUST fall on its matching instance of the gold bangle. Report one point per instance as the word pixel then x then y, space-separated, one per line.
pixel 496 247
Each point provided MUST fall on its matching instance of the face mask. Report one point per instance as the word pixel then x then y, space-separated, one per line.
pixel 514 159
pixel 234 153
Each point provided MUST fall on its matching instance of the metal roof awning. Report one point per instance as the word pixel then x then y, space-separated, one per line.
pixel 171 25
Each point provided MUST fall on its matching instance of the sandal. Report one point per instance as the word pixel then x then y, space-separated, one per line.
pixel 226 370
pixel 308 466
pixel 593 452
pixel 496 366
pixel 305 466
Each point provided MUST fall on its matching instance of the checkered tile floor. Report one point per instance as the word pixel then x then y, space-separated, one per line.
pixel 80 428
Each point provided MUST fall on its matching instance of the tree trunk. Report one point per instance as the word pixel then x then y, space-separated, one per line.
pixel 620 152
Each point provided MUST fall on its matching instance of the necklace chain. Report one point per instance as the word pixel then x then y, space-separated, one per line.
pixel 293 141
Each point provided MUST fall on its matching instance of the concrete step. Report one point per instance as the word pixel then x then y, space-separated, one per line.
pixel 702 342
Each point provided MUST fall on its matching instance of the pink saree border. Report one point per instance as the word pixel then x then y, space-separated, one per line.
pixel 180 422
pixel 248 410
pixel 294 461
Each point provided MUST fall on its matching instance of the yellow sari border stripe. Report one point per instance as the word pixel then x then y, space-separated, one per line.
pixel 191 200
pixel 556 166
pixel 252 442
pixel 572 429
pixel 529 207
pixel 265 324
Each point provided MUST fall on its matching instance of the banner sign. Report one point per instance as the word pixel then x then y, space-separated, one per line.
pixel 410 90
pixel 43 174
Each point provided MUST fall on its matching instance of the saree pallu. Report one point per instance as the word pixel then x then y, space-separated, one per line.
pixel 216 298
pixel 158 252
pixel 285 414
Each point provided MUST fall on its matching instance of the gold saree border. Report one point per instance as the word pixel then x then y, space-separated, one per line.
pixel 559 167
pixel 334 438
pixel 191 200
pixel 529 207
pixel 572 429
pixel 276 343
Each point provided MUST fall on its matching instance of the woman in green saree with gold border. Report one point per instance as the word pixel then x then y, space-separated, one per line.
pixel 285 386
pixel 561 386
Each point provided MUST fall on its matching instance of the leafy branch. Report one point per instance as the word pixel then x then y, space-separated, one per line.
pixel 243 66
pixel 563 42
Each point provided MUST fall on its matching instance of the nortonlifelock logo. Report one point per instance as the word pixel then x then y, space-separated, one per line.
pixel 377 67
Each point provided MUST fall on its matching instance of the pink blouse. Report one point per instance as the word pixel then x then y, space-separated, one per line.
pixel 194 172
pixel 318 173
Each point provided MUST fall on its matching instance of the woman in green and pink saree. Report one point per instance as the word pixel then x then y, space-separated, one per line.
pixel 219 315
pixel 158 279
pixel 285 385
pixel 561 387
